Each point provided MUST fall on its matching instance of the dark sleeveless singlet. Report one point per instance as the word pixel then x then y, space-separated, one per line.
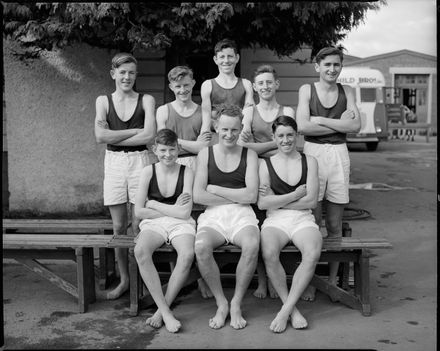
pixel 235 179
pixel 234 96
pixel 262 130
pixel 154 191
pixel 187 128
pixel 335 112
pixel 135 121
pixel 279 186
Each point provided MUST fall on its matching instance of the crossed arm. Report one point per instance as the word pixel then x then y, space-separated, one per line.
pixel 211 195
pixel 303 198
pixel 318 125
pixel 145 208
pixel 127 137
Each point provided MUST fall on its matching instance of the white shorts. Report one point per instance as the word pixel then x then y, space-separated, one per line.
pixel 228 220
pixel 333 170
pixel 121 175
pixel 189 161
pixel 289 221
pixel 168 227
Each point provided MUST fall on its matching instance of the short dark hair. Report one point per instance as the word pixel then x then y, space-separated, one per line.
pixel 224 44
pixel 286 121
pixel 229 110
pixel 265 69
pixel 328 51
pixel 121 58
pixel 166 137
pixel 179 72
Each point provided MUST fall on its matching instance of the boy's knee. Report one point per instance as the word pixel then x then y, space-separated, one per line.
pixel 250 249
pixel 201 250
pixel 270 254
pixel 119 228
pixel 334 226
pixel 312 254
pixel 141 254
pixel 186 258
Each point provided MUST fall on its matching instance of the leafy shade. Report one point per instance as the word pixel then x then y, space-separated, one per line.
pixel 283 27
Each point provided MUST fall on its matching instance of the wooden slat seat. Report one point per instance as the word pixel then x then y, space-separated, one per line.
pixel 345 250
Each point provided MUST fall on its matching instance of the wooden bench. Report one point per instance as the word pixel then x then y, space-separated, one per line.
pixel 408 126
pixel 345 250
pixel 106 271
pixel 80 227
pixel 27 249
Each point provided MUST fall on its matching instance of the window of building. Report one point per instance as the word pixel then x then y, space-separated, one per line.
pixel 368 94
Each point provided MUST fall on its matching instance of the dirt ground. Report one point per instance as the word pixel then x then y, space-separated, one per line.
pixel 403 290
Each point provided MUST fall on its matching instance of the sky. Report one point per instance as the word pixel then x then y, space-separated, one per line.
pixel 402 24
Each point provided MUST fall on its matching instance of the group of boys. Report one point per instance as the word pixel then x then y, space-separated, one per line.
pixel 240 161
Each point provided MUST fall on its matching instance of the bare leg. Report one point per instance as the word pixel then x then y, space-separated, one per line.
pixel 184 245
pixel 309 242
pixel 204 289
pixel 119 219
pixel 147 243
pixel 261 291
pixel 248 239
pixel 310 292
pixel 207 239
pixel 333 223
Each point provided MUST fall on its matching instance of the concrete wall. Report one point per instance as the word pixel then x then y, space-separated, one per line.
pixel 54 164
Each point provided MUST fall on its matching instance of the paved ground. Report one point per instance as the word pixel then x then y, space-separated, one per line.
pixel 38 315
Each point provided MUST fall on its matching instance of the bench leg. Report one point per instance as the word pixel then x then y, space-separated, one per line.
pixel 106 266
pixel 362 282
pixel 345 269
pixel 85 278
pixel 135 286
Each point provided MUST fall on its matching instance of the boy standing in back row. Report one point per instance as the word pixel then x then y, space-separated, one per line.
pixel 183 116
pixel 326 113
pixel 226 87
pixel 125 122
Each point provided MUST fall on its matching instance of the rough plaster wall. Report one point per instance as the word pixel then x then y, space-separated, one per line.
pixel 55 165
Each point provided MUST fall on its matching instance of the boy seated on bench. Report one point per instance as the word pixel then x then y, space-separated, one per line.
pixel 164 204
pixel 288 191
pixel 226 182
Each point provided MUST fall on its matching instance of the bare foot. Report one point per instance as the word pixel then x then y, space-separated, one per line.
pixel 218 321
pixel 334 283
pixel 171 323
pixel 204 289
pixel 279 324
pixel 297 319
pixel 272 292
pixel 261 291
pixel 155 320
pixel 118 291
pixel 309 294
pixel 237 320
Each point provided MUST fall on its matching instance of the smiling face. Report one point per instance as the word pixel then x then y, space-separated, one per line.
pixel 166 154
pixel 285 138
pixel 266 85
pixel 228 129
pixel 226 60
pixel 124 76
pixel 182 88
pixel 329 68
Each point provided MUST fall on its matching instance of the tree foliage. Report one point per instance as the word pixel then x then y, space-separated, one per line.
pixel 186 27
